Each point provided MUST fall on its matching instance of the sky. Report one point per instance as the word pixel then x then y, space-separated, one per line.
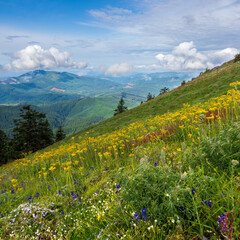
pixel 117 37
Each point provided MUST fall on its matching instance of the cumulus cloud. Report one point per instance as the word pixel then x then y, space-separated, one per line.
pixel 118 69
pixel 184 57
pixel 223 55
pixel 35 57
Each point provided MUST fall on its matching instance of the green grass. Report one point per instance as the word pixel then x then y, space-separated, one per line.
pixel 204 87
pixel 128 184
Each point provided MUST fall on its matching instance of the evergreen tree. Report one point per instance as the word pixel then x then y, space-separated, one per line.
pixel 32 131
pixel 46 136
pixel 164 90
pixel 237 57
pixel 60 135
pixel 183 82
pixel 4 142
pixel 120 108
pixel 149 96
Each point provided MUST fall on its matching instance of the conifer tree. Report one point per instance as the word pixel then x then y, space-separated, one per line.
pixel 120 108
pixel 150 96
pixel 4 141
pixel 32 131
pixel 164 90
pixel 60 135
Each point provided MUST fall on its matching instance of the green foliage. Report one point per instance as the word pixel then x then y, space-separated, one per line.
pixel 60 134
pixel 218 152
pixel 163 90
pixel 237 57
pixel 152 187
pixel 4 143
pixel 120 108
pixel 32 131
pixel 207 70
pixel 150 96
pixel 183 82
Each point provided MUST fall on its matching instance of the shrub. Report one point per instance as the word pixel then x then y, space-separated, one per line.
pixel 183 82
pixel 237 57
pixel 220 151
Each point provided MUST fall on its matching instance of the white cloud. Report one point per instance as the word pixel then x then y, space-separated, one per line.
pixel 223 55
pixel 110 14
pixel 119 69
pixel 184 57
pixel 35 57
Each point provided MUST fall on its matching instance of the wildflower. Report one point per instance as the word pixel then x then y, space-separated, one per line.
pixel 184 175
pixel 235 162
pixel 223 194
pixel 91 168
pixel 156 164
pixel 144 211
pixel 29 198
pixel 37 195
pixel 193 191
pixel 179 149
pixel 99 216
pixel 136 216
pixel 118 186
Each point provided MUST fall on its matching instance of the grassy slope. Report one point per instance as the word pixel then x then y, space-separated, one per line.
pixel 204 87
pixel 208 85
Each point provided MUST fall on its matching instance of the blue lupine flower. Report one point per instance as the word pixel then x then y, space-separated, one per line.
pixel 91 168
pixel 136 216
pixel 193 191
pixel 223 194
pixel 182 208
pixel 36 195
pixel 28 198
pixel 209 203
pixel 156 164
pixel 144 211
pixel 118 186
pixel 12 192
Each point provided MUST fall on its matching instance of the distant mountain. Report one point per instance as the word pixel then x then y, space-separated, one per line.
pixel 76 102
pixel 48 86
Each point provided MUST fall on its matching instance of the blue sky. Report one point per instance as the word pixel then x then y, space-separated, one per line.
pixel 117 37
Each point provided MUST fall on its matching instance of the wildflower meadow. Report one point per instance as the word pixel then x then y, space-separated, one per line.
pixel 172 176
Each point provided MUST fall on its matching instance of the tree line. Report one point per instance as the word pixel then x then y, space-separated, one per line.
pixel 31 133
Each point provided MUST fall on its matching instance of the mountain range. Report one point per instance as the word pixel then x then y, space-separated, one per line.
pixel 76 102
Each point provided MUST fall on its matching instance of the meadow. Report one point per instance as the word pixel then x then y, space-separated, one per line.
pixel 169 176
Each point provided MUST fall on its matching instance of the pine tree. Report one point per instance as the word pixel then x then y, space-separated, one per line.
pixel 32 131
pixel 4 142
pixel 60 135
pixel 120 108
pixel 150 96
pixel 164 90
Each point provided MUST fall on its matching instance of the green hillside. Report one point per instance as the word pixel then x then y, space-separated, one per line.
pixel 207 85
pixel 74 115
pixel 167 169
